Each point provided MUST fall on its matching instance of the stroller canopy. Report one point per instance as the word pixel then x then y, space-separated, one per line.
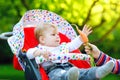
pixel 35 17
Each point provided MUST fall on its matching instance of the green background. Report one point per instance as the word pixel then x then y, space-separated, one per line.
pixel 102 15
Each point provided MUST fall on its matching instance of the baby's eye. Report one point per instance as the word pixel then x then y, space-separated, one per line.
pixel 53 34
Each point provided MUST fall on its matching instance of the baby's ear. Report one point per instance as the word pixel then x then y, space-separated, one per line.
pixel 41 40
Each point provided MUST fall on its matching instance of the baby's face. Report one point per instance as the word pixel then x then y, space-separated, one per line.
pixel 51 37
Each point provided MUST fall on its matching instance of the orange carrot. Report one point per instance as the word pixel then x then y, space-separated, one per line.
pixel 85 41
pixel 83 36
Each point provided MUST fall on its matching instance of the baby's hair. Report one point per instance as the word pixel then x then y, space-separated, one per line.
pixel 41 28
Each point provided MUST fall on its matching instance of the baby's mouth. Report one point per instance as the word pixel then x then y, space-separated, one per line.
pixel 57 40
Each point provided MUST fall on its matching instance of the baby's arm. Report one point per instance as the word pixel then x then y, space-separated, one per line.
pixel 77 42
pixel 30 53
pixel 101 58
pixel 36 52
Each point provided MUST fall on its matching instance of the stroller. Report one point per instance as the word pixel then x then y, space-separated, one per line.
pixel 23 38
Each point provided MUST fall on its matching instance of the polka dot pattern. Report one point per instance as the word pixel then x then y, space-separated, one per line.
pixel 35 17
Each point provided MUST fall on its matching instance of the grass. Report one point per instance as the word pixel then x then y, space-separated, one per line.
pixel 7 72
pixel 112 77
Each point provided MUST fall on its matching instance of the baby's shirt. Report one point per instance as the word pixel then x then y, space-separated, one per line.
pixel 60 54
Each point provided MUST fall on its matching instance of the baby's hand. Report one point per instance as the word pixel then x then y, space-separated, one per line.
pixel 87 30
pixel 43 53
pixel 84 33
pixel 46 54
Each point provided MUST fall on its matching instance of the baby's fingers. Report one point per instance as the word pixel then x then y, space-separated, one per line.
pixel 85 27
pixel 47 54
pixel 87 30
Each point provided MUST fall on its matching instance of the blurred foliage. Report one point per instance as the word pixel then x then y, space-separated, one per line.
pixel 102 15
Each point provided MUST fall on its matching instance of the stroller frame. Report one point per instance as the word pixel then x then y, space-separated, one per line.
pixel 30 67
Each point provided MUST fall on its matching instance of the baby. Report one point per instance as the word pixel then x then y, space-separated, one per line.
pixel 60 69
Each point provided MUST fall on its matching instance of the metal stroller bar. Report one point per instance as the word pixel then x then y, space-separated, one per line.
pixel 5 35
pixel 30 67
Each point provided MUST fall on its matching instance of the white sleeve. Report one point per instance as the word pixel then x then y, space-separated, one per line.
pixel 38 59
pixel 75 44
pixel 30 52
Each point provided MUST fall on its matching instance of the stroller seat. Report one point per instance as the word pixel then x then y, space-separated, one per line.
pixel 23 37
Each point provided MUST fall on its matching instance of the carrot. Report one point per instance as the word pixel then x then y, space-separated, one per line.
pixel 83 36
pixel 85 41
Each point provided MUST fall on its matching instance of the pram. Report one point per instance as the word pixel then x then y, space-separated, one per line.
pixel 23 38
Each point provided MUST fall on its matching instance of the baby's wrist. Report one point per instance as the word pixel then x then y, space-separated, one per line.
pixel 38 53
